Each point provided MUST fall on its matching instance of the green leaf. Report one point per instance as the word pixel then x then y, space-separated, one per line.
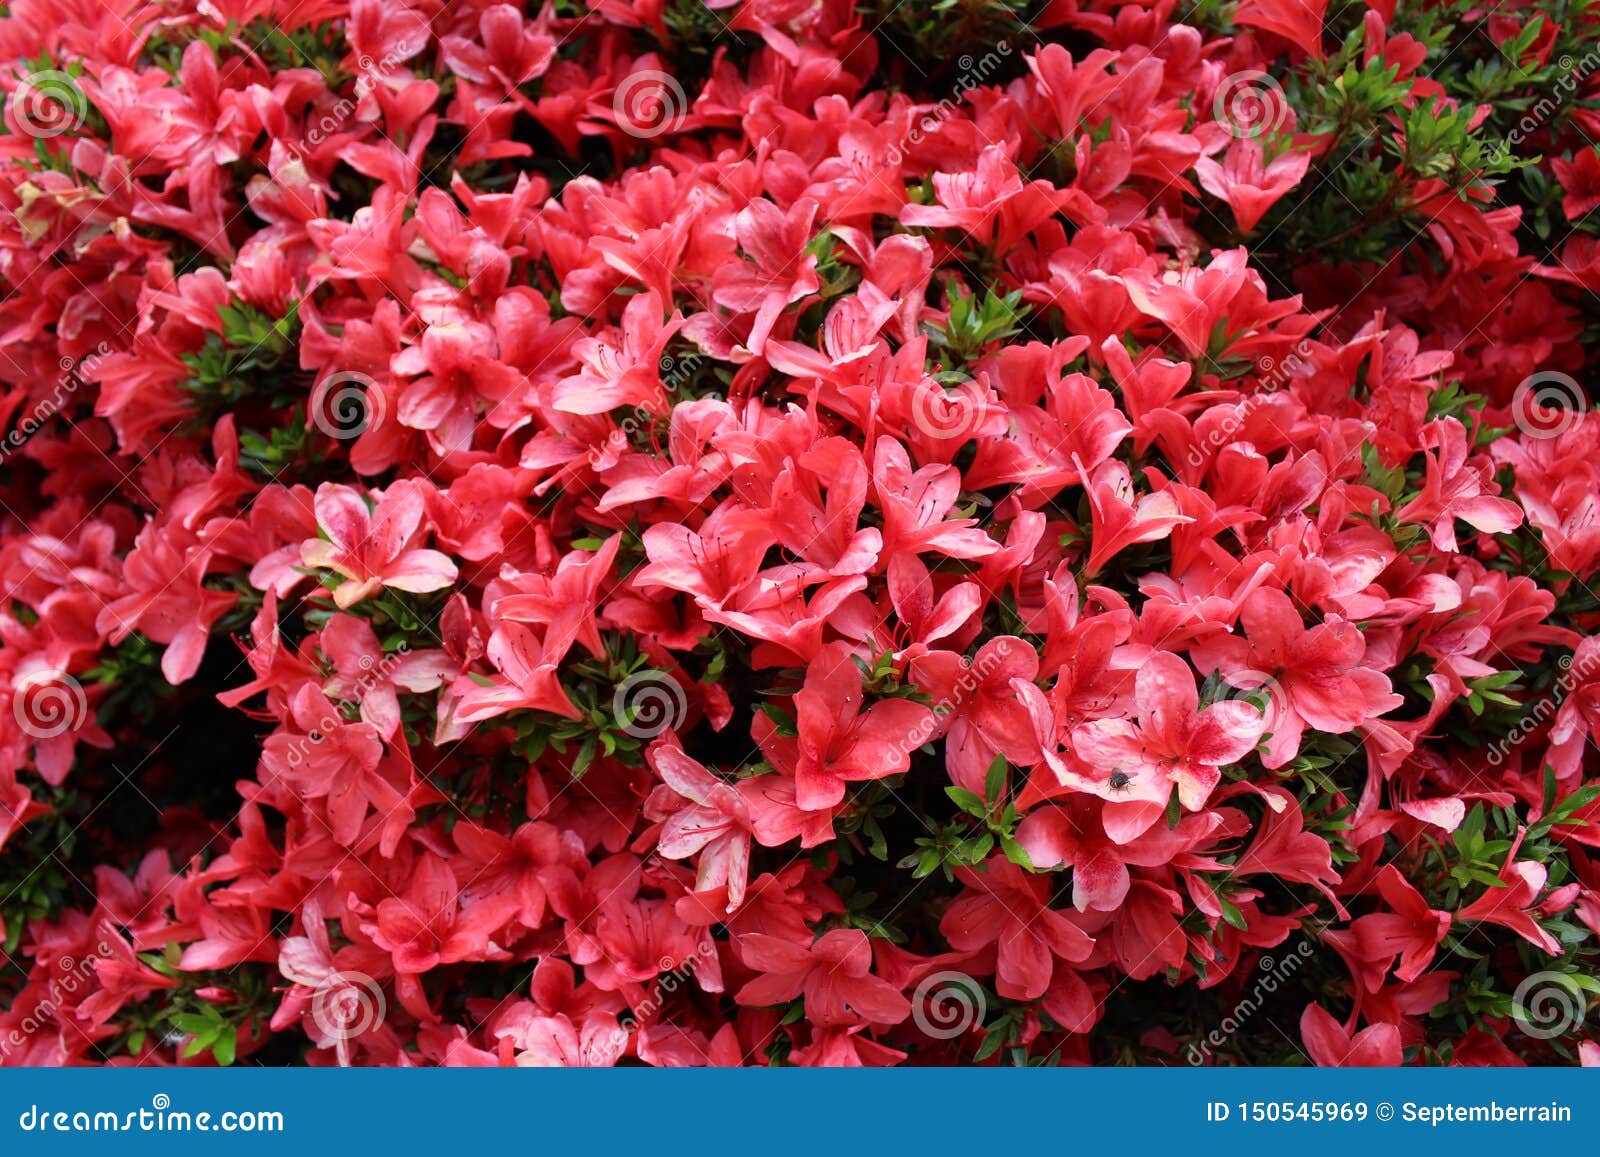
pixel 584 758
pixel 994 783
pixel 1016 853
pixel 1232 915
pixel 991 1045
pixel 967 801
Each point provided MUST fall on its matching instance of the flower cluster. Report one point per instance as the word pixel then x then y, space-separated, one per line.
pixel 731 532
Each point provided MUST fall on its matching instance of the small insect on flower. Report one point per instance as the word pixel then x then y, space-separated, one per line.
pixel 1119 781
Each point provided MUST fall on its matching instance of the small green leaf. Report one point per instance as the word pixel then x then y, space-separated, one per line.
pixel 967 801
pixel 994 783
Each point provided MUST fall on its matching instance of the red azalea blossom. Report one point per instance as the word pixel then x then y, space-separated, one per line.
pixel 685 533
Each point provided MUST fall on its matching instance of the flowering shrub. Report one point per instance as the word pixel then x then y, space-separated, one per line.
pixel 668 532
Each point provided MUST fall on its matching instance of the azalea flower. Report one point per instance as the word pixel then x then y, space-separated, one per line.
pixel 527 679
pixel 328 758
pixel 833 975
pixel 839 742
pixel 1454 488
pixel 1008 908
pixel 1073 835
pixel 380 397
pixel 994 708
pixel 714 827
pixel 1299 21
pixel 1333 1045
pixel 555 1042
pixel 428 925
pixel 167 599
pixel 1510 904
pixel 1411 930
pixel 623 374
pixel 1172 743
pixel 374 548
pixel 781 272
pixel 1247 184
pixel 1310 676
pixel 1120 518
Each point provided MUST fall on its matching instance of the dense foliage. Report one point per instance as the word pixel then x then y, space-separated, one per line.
pixel 806 533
